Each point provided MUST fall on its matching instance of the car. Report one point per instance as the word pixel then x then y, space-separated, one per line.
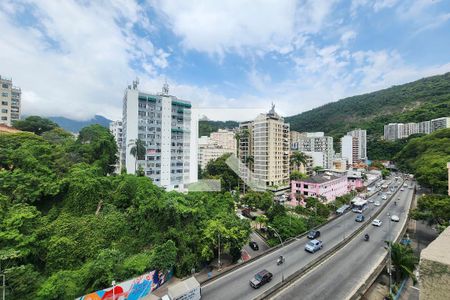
pixel 389 192
pixel 313 246
pixel 395 218
pixel 370 200
pixel 377 203
pixel 377 222
pixel 313 234
pixel 260 279
pixel 253 245
pixel 402 189
pixel 359 218
pixel 384 197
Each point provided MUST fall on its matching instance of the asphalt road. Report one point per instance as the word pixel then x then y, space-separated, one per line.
pixel 235 285
pixel 343 273
pixel 261 244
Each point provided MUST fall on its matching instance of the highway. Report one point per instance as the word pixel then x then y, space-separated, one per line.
pixel 235 285
pixel 342 274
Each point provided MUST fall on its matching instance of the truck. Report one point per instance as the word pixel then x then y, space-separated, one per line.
pixel 188 289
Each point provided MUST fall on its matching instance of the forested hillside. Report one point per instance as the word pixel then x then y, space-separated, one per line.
pixel 205 127
pixel 69 226
pixel 426 157
pixel 420 100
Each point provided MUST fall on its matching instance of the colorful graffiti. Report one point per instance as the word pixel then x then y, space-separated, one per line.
pixel 133 289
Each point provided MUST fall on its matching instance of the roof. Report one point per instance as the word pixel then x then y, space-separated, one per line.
pixel 183 287
pixel 320 178
pixel 6 128
pixel 437 250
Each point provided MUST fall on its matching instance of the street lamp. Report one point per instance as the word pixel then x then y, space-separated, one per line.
pixel 390 249
pixel 113 283
pixel 282 245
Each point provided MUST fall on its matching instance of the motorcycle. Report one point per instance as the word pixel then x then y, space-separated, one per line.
pixel 280 260
pixel 366 237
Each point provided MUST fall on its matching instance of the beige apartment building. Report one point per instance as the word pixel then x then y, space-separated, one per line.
pixel 266 141
pixel 214 146
pixel 10 97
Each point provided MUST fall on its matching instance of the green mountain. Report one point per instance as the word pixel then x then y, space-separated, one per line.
pixel 76 126
pixel 421 100
pixel 205 127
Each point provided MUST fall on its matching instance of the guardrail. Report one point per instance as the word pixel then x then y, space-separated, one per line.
pixel 296 275
pixel 368 283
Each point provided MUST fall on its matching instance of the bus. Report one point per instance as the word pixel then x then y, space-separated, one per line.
pixel 359 205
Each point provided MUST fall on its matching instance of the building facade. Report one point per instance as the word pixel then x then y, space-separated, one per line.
pixel 213 147
pixel 163 122
pixel 115 128
pixel 325 187
pixel 266 141
pixel 10 101
pixel 395 131
pixel 316 145
pixel 354 146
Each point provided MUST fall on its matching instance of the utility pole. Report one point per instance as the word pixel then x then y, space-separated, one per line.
pixel 282 246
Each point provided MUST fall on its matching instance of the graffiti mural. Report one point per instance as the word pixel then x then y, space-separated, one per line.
pixel 133 289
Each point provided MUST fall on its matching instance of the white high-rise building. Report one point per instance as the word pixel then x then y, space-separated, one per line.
pixel 316 145
pixel 424 127
pixel 115 128
pixel 354 146
pixel 10 100
pixel 164 124
pixel 440 123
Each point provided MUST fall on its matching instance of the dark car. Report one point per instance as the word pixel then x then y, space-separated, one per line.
pixel 261 278
pixel 313 234
pixel 253 245
pixel 359 218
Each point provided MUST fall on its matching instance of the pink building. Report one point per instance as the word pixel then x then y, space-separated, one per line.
pixel 327 186
pixel 355 180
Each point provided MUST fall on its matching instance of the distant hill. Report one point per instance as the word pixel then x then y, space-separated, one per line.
pixel 421 100
pixel 76 126
pixel 205 127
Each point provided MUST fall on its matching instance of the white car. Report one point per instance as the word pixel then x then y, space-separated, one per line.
pixel 402 189
pixel 389 193
pixel 370 200
pixel 377 203
pixel 384 197
pixel 377 222
pixel 395 218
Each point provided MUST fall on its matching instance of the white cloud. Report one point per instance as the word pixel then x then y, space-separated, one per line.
pixel 75 60
pixel 221 26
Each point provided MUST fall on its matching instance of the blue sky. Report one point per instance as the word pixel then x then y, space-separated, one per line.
pixel 74 58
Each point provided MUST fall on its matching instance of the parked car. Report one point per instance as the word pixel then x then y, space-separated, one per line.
pixel 377 222
pixel 253 245
pixel 370 200
pixel 313 234
pixel 377 203
pixel 402 189
pixel 384 197
pixel 395 218
pixel 359 218
pixel 313 246
pixel 261 278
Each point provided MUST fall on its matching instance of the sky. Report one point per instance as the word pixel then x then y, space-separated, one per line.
pixel 230 58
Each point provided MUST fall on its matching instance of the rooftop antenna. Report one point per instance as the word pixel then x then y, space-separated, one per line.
pixel 165 89
pixel 135 83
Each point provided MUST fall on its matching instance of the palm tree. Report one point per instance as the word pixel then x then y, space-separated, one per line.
pixel 237 137
pixel 249 160
pixel 298 158
pixel 403 261
pixel 138 151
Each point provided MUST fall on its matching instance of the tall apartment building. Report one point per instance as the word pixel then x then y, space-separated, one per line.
pixel 439 123
pixel 395 131
pixel 354 146
pixel 214 146
pixel 10 99
pixel 163 122
pixel 316 145
pixel 266 140
pixel 115 128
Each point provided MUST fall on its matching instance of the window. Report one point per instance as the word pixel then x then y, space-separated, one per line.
pixel 4 118
pixel 4 102
pixel 4 110
pixel 5 85
pixel 5 94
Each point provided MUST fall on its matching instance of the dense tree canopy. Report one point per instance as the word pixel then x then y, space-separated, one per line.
pixel 426 157
pixel 67 227
pixel 35 124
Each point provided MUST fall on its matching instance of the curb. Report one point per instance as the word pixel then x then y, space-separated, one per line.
pixel 299 273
